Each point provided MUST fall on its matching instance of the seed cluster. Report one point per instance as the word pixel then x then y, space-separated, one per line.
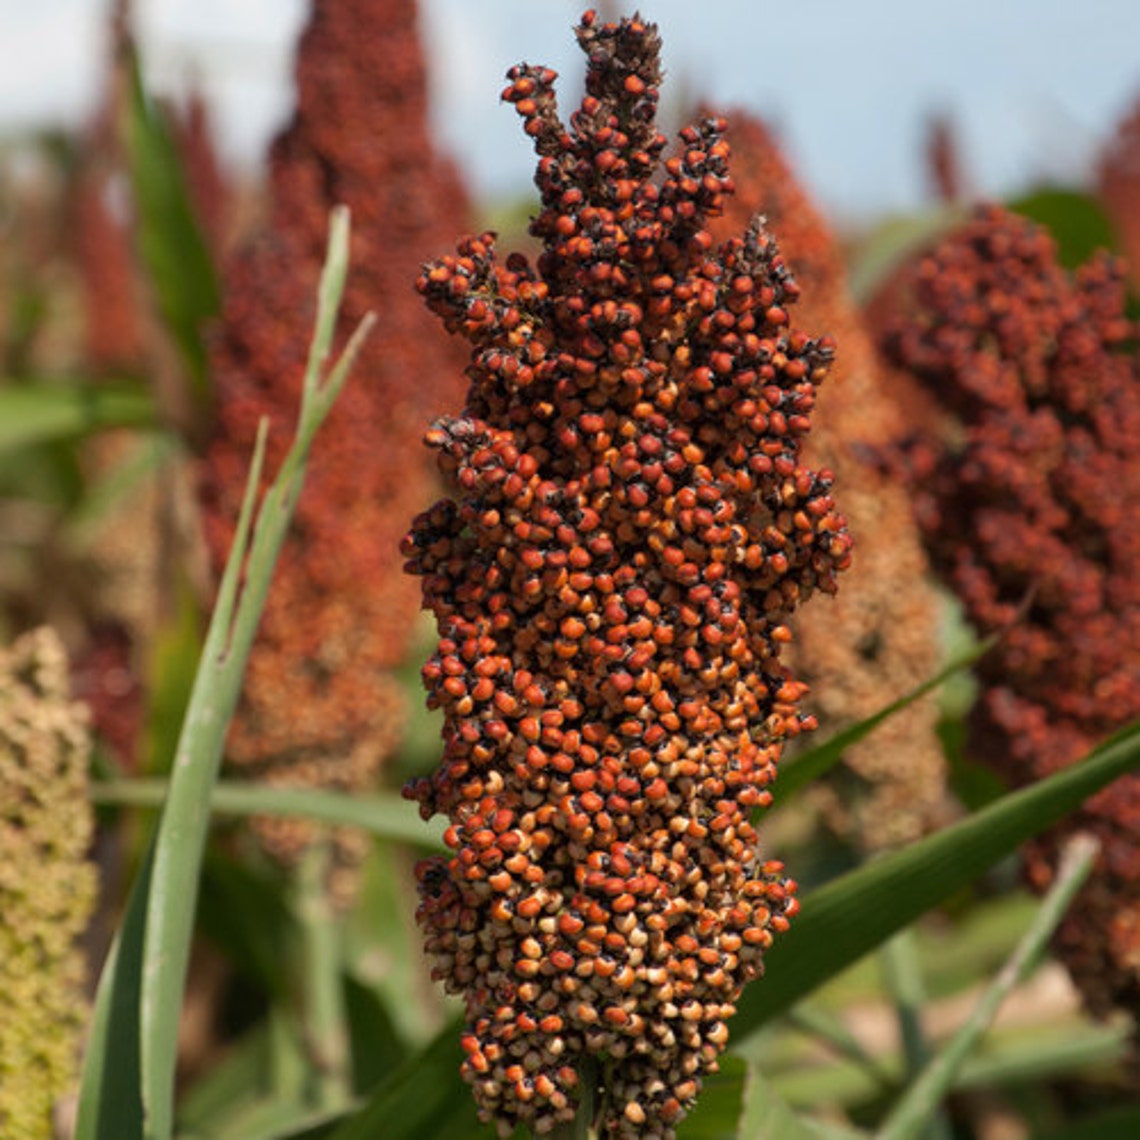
pixel 879 635
pixel 1027 503
pixel 47 888
pixel 320 707
pixel 627 530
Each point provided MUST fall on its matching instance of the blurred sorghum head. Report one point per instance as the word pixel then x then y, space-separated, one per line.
pixel 47 888
pixel 1119 178
pixel 879 635
pixel 320 707
pixel 1027 504
pixel 627 530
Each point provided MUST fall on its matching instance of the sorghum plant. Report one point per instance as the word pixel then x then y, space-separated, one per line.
pixel 320 706
pixel 47 889
pixel 1025 503
pixel 879 635
pixel 627 530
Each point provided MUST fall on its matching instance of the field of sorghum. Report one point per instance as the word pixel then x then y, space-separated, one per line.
pixel 751 611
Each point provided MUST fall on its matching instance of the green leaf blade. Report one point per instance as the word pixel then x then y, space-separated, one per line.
pixel 170 241
pixel 49 412
pixel 850 916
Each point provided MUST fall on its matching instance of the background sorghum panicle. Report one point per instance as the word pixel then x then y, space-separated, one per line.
pixel 626 533
pixel 320 707
pixel 1027 502
pixel 879 635
pixel 1119 186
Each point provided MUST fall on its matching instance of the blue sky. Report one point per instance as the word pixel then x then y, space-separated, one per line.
pixel 1034 86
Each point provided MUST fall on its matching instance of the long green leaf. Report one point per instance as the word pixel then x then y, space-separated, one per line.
pixel 110 1102
pixel 162 941
pixel 383 814
pixel 184 824
pixel 850 916
pixel 810 765
pixel 920 1103
pixel 1025 1056
pixel 171 244
pixel 180 840
pixel 42 413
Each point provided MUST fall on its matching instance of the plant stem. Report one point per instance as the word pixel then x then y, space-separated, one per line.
pixel 916 1107
pixel 325 1019
pixel 286 1066
pixel 902 976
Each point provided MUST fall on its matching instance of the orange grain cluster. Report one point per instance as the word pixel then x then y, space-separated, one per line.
pixel 878 637
pixel 627 530
pixel 320 707
pixel 1030 502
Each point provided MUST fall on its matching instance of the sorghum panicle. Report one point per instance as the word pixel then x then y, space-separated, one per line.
pixel 47 888
pixel 320 706
pixel 1119 179
pixel 879 635
pixel 626 533
pixel 1028 502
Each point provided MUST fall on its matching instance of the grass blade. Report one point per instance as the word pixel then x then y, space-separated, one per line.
pixel 385 815
pixel 850 916
pixel 919 1103
pixel 813 763
pixel 161 941
pixel 172 247
pixel 110 1103
pixel 46 412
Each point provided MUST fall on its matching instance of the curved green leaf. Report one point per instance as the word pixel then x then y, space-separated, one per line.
pixel 814 762
pixel 110 1097
pixel 853 914
pixel 919 1104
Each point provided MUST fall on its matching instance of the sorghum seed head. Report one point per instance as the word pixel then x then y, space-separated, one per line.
pixel 1025 501
pixel 320 707
pixel 604 482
